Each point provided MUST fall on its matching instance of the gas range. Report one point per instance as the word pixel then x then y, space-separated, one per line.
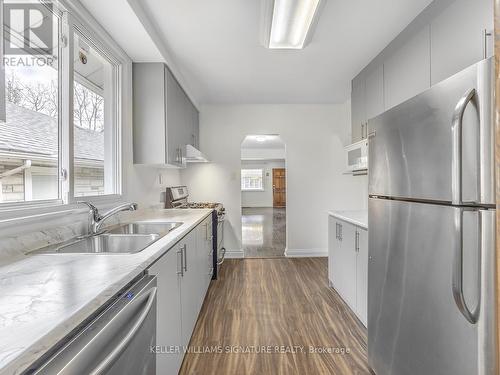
pixel 218 207
pixel 177 197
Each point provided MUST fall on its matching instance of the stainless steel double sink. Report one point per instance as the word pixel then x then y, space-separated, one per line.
pixel 124 239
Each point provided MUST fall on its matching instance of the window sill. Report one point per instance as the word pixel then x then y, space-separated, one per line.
pixel 249 190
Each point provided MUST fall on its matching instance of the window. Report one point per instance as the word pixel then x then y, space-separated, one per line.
pixel 94 94
pixel 29 132
pixel 41 159
pixel 252 180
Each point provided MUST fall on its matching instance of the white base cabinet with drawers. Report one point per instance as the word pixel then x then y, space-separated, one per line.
pixel 348 264
pixel 183 275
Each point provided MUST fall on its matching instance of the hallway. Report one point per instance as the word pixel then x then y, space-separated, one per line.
pixel 263 232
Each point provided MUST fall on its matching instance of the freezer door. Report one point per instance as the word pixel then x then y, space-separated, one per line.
pixel 412 148
pixel 415 323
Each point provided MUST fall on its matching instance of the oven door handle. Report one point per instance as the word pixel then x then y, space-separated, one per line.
pixel 221 259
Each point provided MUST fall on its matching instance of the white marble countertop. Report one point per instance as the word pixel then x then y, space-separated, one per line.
pixel 44 297
pixel 358 217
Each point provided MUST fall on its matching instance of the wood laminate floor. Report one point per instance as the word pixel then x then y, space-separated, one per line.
pixel 275 302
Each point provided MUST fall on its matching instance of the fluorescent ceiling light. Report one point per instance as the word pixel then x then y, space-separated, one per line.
pixel 292 22
pixel 261 138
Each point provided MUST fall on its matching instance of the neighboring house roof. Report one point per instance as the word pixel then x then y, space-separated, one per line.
pixel 27 131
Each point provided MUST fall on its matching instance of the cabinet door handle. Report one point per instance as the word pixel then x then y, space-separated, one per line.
pixel 340 232
pixel 185 257
pixel 337 231
pixel 181 272
pixel 356 242
pixel 486 35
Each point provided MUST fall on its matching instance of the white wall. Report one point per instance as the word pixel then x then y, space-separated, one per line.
pixel 144 187
pixel 261 198
pixel 262 154
pixel 314 137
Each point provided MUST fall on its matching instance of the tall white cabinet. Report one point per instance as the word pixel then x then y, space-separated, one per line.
pixel 348 264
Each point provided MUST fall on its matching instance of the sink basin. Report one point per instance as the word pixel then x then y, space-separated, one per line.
pixel 146 228
pixel 125 239
pixel 105 244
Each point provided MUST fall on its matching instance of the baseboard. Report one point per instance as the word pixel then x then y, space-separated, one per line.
pixel 306 253
pixel 235 254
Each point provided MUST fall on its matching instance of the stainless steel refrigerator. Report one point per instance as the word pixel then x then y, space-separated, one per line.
pixel 431 227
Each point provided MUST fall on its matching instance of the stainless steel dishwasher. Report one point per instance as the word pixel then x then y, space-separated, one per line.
pixel 117 342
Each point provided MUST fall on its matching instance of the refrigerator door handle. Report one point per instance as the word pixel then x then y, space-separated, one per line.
pixel 457 272
pixel 456 133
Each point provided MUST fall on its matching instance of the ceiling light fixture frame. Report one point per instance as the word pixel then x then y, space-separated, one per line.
pixel 267 11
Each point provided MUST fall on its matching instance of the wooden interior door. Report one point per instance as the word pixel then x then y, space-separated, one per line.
pixel 279 187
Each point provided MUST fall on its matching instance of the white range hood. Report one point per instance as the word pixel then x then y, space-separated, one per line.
pixel 193 155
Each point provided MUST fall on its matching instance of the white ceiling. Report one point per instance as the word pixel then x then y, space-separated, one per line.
pixel 120 21
pixel 216 46
pixel 271 142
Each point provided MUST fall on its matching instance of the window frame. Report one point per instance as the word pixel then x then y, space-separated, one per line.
pixel 73 17
pixel 15 206
pixel 262 188
pixel 116 125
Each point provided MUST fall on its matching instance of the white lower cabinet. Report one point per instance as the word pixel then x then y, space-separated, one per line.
pixel 168 312
pixel 182 282
pixel 348 264
pixel 190 287
pixel 362 276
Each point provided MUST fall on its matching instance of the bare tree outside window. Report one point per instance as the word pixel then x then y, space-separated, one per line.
pixel 88 109
pixel 43 98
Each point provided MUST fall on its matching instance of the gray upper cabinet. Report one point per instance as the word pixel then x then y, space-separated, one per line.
pixel 458 37
pixel 150 131
pixel 165 119
pixel 178 122
pixel 358 113
pixel 447 37
pixel 407 71
pixel 367 101
pixel 375 92
pixel 195 132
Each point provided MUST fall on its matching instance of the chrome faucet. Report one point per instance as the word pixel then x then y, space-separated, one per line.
pixel 96 220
